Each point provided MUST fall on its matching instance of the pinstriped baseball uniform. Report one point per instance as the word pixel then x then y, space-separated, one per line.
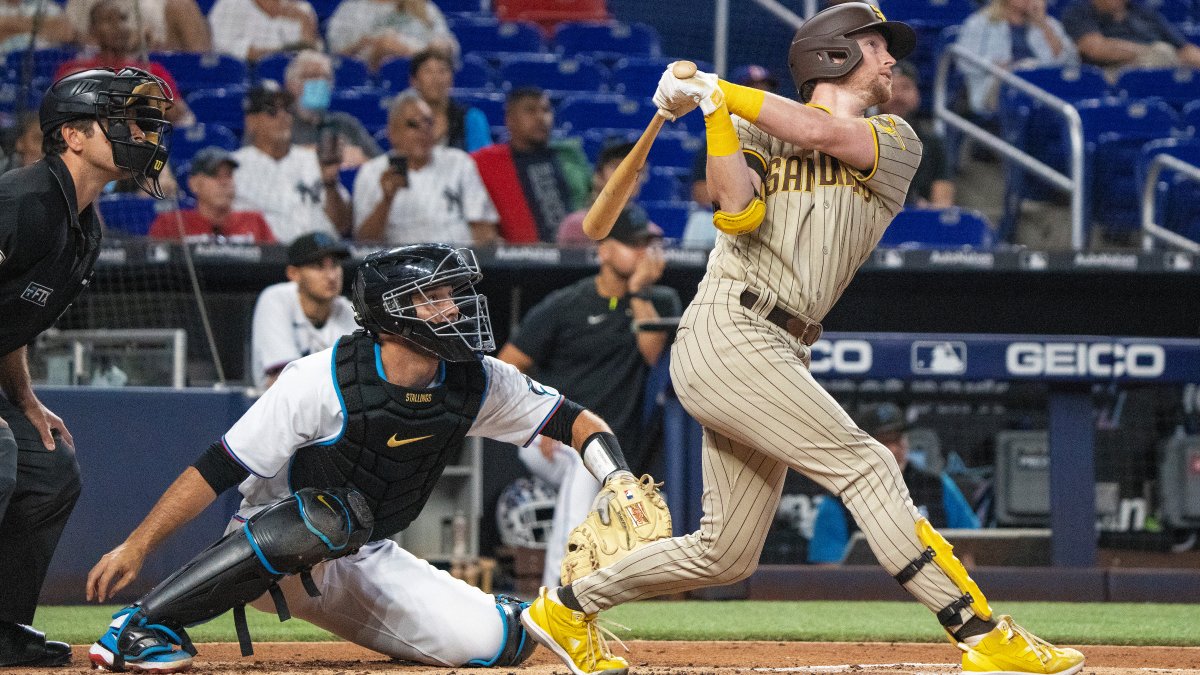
pixel 746 379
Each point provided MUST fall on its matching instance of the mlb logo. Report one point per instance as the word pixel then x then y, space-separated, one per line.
pixel 946 357
pixel 628 495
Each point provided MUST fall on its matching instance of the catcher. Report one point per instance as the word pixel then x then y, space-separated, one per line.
pixel 329 467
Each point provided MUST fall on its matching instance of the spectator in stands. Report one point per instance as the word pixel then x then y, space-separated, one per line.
pixel 252 29
pixel 26 144
pixel 16 25
pixel 167 25
pixel 756 76
pixel 582 337
pixel 420 191
pixel 295 192
pixel 377 30
pixel 1117 34
pixel 211 181
pixel 933 184
pixel 1010 34
pixel 112 29
pixel 309 79
pixel 570 232
pixel 306 313
pixel 431 74
pixel 934 495
pixel 534 183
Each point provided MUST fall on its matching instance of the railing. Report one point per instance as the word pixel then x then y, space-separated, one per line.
pixel 1150 229
pixel 1072 184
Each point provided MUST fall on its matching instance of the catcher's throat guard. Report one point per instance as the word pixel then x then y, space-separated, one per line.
pixel 287 537
pixel 628 513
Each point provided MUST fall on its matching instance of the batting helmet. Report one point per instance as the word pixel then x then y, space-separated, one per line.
pixel 525 512
pixel 823 47
pixel 391 293
pixel 118 99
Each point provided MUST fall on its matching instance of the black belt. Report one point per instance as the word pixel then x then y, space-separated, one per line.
pixel 802 328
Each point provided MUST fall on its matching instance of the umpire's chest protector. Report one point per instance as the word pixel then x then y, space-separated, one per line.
pixel 397 441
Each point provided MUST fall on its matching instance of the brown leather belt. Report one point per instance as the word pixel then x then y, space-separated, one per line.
pixel 801 328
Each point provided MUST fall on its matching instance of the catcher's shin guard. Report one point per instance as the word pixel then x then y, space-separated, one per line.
pixel 287 537
pixel 517 645
pixel 941 553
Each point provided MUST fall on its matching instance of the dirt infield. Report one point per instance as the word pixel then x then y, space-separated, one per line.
pixel 671 658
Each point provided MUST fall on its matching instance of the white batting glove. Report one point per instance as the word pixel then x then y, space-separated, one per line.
pixel 678 97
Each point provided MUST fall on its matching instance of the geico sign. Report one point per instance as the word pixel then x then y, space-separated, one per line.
pixel 1083 358
pixel 847 357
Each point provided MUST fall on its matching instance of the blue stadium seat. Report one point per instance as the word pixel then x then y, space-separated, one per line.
pixel 130 213
pixel 594 140
pixel 1175 11
pixel 381 137
pixel 943 12
pixel 1178 197
pixel 673 148
pixel 367 104
pixel 490 35
pixel 324 9
pixel 185 143
pixel 951 228
pixel 10 96
pixel 550 71
pixel 220 106
pixel 1176 86
pixel 1114 132
pixel 580 113
pixel 45 62
pixel 461 6
pixel 491 103
pixel 194 71
pixel 347 71
pixel 610 40
pixel 393 74
pixel 670 216
pixel 474 73
pixel 1191 117
pixel 638 75
pixel 661 185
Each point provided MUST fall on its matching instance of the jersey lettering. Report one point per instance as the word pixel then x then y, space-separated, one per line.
pixel 796 173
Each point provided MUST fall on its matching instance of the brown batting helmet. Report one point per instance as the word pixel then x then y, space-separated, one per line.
pixel 823 47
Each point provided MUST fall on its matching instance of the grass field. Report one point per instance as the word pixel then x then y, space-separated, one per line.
pixel 1071 623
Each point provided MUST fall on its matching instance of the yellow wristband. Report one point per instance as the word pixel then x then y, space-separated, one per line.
pixel 745 102
pixel 722 137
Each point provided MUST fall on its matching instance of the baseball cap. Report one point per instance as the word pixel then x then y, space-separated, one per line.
pixel 209 159
pixel 881 418
pixel 633 227
pixel 313 247
pixel 264 95
pixel 753 73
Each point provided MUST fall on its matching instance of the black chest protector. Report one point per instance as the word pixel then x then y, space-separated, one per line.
pixel 397 441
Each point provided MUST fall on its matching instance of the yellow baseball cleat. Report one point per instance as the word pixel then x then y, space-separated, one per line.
pixel 1010 650
pixel 573 636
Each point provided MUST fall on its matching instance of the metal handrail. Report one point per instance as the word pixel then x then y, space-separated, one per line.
pixel 1150 229
pixel 1072 184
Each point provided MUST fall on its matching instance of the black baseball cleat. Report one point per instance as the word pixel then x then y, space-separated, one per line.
pixel 21 645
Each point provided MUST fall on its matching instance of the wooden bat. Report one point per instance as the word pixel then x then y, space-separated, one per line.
pixel 615 194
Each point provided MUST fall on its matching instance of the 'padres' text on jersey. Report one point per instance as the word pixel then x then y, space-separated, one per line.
pixel 823 216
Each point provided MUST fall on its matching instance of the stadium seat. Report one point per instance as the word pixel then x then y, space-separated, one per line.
pixel 670 216
pixel 549 13
pixel 367 104
pixel 474 73
pixel 185 143
pixel 661 185
pixel 550 71
pixel 127 213
pixel 580 113
pixel 638 76
pixel 951 228
pixel 673 148
pixel 610 41
pixel 1176 86
pixel 347 71
pixel 1191 117
pixel 461 6
pixel 489 102
pixel 1174 11
pixel 324 9
pixel 45 63
pixel 10 96
pixel 944 12
pixel 381 137
pixel 220 106
pixel 194 72
pixel 393 74
pixel 490 35
pixel 1177 196
pixel 595 140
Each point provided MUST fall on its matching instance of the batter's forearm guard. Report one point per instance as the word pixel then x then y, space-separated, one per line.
pixel 288 537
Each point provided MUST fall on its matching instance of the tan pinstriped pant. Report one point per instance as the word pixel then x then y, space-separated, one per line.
pixel 745 380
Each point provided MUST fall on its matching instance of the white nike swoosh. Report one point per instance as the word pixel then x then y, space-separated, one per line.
pixel 593 320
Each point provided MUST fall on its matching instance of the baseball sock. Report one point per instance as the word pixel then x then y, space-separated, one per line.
pixel 566 597
pixel 973 630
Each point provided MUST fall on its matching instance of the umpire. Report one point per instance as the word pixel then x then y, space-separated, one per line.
pixel 98 126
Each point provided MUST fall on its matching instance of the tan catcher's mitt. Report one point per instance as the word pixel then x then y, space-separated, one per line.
pixel 627 514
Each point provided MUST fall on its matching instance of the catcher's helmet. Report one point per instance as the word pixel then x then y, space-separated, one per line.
pixel 525 512
pixel 823 49
pixel 118 99
pixel 390 287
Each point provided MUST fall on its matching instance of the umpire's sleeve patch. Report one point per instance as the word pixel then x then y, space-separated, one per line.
pixel 756 163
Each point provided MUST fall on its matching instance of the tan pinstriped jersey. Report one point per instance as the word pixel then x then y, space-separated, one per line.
pixel 823 217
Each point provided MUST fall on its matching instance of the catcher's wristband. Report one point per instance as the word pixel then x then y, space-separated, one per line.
pixel 602 455
pixel 722 137
pixel 745 102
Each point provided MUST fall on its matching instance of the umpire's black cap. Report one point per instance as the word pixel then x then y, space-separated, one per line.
pixel 881 419
pixel 313 247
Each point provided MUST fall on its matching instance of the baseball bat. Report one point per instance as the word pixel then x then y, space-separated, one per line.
pixel 615 194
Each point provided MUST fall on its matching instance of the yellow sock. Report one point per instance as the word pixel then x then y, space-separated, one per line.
pixel 745 102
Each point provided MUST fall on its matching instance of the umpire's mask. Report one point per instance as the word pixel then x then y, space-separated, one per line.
pixel 426 294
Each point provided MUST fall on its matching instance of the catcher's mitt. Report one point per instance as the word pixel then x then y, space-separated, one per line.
pixel 628 513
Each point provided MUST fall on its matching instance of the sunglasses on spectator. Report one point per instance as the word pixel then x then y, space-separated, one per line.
pixel 422 123
pixel 274 109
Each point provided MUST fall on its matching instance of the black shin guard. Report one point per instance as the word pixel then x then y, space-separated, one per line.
pixel 517 645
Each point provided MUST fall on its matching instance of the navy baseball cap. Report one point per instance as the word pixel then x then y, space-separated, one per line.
pixel 753 74
pixel 879 419
pixel 633 227
pixel 266 95
pixel 313 247
pixel 209 159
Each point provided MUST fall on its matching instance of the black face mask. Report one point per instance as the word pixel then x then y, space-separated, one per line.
pixel 145 107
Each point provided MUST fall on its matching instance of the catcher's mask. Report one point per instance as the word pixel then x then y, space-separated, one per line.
pixel 824 47
pixel 426 294
pixel 525 513
pixel 121 101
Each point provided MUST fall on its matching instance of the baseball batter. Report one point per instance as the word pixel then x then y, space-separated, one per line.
pixel 805 191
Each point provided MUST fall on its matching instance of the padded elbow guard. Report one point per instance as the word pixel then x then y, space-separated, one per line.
pixel 745 221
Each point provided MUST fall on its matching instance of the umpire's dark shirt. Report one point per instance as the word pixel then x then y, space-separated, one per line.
pixel 46 251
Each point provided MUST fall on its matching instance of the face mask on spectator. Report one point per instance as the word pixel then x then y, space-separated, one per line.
pixel 316 95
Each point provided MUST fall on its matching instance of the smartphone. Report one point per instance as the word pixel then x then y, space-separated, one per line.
pixel 399 164
pixel 329 147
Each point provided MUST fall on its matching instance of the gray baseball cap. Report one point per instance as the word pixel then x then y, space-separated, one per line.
pixel 209 159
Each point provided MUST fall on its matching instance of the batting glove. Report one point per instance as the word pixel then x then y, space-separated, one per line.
pixel 678 97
